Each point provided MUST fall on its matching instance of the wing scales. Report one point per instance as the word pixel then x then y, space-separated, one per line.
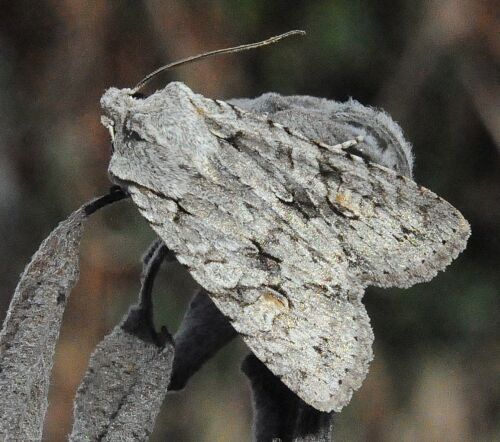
pixel 285 233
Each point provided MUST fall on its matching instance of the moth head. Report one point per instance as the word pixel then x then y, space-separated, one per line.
pixel 115 103
pixel 159 141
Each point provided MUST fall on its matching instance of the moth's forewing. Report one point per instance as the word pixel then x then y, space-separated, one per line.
pixel 283 232
pixel 292 311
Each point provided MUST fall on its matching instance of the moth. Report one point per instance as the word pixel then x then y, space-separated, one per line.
pixel 284 209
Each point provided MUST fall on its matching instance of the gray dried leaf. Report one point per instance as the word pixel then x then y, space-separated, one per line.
pixel 123 390
pixel 31 329
pixel 128 374
pixel 283 230
pixel 32 324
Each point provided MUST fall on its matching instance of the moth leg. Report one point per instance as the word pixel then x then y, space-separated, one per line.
pixel 168 255
pixel 204 330
pixel 349 143
pixel 116 193
pixel 139 321
pixel 281 414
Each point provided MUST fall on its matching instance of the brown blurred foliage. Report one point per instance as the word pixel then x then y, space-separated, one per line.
pixel 432 65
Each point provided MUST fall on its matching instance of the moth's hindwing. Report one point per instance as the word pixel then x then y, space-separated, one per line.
pixel 284 232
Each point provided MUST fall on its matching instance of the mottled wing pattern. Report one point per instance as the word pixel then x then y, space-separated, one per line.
pixel 395 232
pixel 286 232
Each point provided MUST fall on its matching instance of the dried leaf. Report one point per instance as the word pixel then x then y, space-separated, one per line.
pixel 31 329
pixel 122 392
pixel 32 324
pixel 128 375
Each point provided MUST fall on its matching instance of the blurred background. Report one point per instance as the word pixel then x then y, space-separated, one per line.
pixel 433 65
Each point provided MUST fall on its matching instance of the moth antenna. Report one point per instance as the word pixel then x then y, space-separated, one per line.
pixel 232 50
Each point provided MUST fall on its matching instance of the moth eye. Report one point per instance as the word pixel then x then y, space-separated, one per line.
pixel 129 134
pixel 132 135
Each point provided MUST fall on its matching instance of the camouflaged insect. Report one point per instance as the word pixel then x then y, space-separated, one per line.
pixel 284 209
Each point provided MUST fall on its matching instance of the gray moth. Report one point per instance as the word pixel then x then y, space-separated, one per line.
pixel 284 209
